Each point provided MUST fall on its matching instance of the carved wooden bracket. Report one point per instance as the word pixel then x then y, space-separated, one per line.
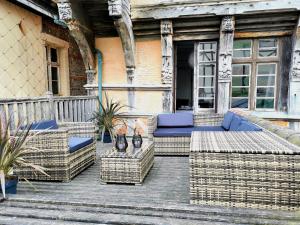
pixel 226 48
pixel 120 11
pixel 167 51
pixel 295 68
pixel 68 12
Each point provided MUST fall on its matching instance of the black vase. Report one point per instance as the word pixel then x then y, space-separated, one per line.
pixel 137 141
pixel 121 143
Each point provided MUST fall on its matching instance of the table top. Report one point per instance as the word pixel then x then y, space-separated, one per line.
pixel 259 142
pixel 131 152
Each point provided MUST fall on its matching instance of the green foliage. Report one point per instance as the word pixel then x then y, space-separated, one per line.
pixel 13 149
pixel 109 116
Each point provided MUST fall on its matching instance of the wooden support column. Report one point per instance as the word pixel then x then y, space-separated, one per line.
pixel 71 13
pixel 167 69
pixel 119 10
pixel 294 85
pixel 225 63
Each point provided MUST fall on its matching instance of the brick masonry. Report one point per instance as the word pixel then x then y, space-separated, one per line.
pixel 76 66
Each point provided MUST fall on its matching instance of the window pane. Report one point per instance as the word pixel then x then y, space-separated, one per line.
pixel 265 103
pixel 206 81
pixel 265 92
pixel 53 55
pixel 240 81
pixel 239 92
pixel 266 69
pixel 267 53
pixel 241 53
pixel 238 44
pixel 265 80
pixel 206 92
pixel 208 46
pixel 206 103
pixel 55 87
pixel 54 73
pixel 239 103
pixel 207 56
pixel 207 70
pixel 238 69
pixel 267 43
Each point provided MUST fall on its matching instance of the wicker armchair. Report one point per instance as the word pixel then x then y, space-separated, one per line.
pixel 179 145
pixel 54 153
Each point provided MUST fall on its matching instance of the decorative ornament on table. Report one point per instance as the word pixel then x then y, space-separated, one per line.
pixel 121 142
pixel 137 140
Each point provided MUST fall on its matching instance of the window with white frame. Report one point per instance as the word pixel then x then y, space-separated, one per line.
pixel 53 70
pixel 205 75
pixel 254 73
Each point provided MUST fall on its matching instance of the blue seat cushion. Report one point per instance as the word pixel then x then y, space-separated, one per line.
pixel 247 126
pixel 227 120
pixel 44 124
pixel 175 120
pixel 235 122
pixel 183 131
pixel 76 143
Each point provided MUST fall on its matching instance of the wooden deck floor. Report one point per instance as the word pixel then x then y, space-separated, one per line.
pixel 166 182
pixel 162 199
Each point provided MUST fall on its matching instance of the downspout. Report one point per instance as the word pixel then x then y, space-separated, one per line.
pixel 100 62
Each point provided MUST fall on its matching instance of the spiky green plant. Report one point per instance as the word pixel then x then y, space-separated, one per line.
pixel 13 149
pixel 109 116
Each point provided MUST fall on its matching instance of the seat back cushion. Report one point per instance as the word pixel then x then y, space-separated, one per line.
pixel 175 120
pixel 235 123
pixel 44 124
pixel 76 143
pixel 227 120
pixel 247 126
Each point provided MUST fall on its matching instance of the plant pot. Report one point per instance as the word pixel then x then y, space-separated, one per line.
pixel 10 185
pixel 107 138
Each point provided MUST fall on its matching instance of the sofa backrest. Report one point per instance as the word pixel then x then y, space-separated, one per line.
pixel 44 124
pixel 234 122
pixel 183 119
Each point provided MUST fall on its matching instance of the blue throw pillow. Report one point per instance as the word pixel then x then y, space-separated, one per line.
pixel 227 120
pixel 235 123
pixel 247 126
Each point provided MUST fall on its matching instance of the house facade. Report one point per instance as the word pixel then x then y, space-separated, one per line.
pixel 167 56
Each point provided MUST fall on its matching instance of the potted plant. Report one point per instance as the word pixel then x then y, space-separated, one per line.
pixel 108 117
pixel 12 151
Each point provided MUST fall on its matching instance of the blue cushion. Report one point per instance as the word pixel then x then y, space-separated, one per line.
pixel 235 122
pixel 247 126
pixel 76 143
pixel 183 131
pixel 175 120
pixel 44 124
pixel 227 120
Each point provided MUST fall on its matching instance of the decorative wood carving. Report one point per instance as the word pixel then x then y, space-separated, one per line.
pixel 167 51
pixel 296 64
pixel 120 11
pixel 167 101
pixel 64 10
pixel 225 63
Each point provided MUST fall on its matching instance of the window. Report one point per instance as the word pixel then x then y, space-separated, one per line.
pixel 254 73
pixel 53 69
pixel 206 75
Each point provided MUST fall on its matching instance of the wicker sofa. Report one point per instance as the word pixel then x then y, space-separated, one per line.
pixel 245 169
pixel 171 133
pixel 64 149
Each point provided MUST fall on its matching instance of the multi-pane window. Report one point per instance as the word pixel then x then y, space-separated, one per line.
pixel 52 69
pixel 254 73
pixel 206 74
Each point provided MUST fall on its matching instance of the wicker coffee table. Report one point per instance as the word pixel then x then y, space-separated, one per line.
pixel 127 168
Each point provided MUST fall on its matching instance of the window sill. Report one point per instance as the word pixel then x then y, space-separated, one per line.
pixel 276 115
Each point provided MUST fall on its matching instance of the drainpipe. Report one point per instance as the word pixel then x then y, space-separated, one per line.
pixel 100 61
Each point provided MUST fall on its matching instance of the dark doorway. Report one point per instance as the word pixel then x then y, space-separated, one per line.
pixel 184 75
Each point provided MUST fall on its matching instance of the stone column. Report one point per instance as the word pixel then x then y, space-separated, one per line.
pixel 167 69
pixel 294 85
pixel 91 86
pixel 225 63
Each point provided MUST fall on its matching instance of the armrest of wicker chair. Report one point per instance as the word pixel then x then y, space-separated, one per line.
pixel 152 125
pixel 79 129
pixel 209 119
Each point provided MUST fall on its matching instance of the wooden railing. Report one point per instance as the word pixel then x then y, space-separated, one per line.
pixel 67 109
